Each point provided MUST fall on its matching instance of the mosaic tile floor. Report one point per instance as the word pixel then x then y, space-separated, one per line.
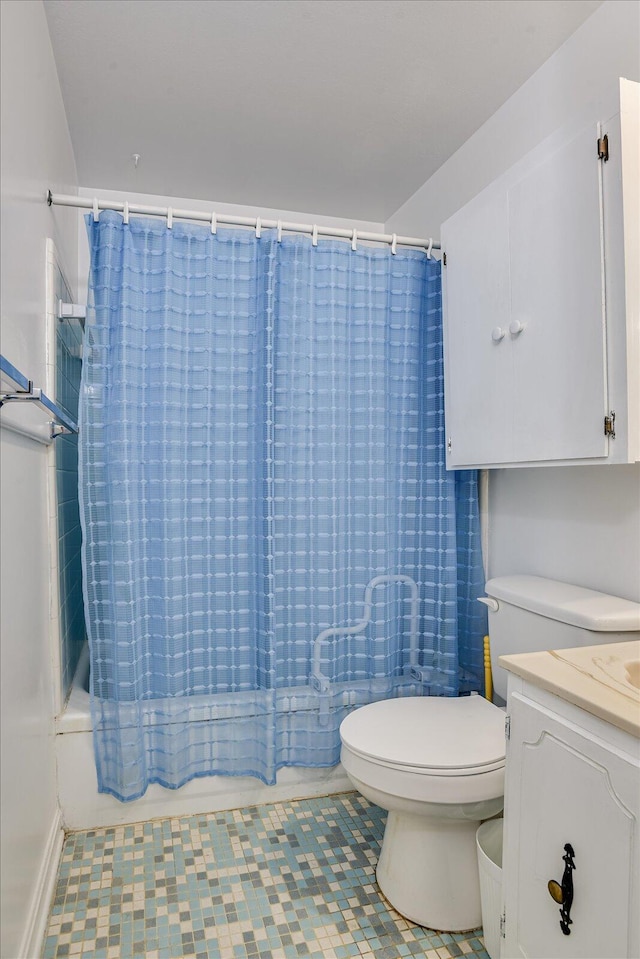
pixel 269 882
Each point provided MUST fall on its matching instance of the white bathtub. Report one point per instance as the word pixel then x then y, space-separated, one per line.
pixel 76 715
pixel 83 807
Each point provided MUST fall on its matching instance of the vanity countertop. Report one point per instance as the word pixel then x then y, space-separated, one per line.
pixel 603 680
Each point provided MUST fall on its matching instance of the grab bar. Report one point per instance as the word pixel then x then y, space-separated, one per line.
pixel 23 391
pixel 320 680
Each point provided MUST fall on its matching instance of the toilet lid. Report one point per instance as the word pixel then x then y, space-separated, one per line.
pixel 463 734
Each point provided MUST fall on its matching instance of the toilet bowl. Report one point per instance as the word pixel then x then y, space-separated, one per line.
pixel 437 766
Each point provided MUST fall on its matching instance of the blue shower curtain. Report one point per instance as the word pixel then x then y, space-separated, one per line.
pixel 261 440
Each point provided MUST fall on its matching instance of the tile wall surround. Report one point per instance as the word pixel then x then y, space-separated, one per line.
pixel 280 881
pixel 64 367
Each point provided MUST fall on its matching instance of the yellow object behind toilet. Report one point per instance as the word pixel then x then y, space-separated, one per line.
pixel 488 677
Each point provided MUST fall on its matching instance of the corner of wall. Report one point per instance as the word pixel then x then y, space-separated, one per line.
pixel 36 154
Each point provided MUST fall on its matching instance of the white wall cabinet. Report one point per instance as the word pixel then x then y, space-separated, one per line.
pixel 541 303
pixel 570 779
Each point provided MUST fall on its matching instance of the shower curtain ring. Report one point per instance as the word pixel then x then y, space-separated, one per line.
pixel 125 212
pixel 394 240
pixel 279 231
pixel 429 248
pixel 314 235
pixel 170 218
pixel 258 228
pixel 96 211
pixel 214 222
pixel 354 240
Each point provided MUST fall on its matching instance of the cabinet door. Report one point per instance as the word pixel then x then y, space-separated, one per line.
pixel 563 787
pixel 478 371
pixel 557 297
pixel 621 192
pixel 525 256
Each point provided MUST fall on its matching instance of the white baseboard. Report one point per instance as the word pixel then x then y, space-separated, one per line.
pixel 33 936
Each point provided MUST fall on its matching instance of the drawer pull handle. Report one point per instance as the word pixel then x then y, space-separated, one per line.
pixel 562 892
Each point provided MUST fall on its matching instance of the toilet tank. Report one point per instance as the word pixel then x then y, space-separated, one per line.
pixel 528 614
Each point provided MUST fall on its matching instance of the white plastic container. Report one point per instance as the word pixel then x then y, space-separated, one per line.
pixel 489 843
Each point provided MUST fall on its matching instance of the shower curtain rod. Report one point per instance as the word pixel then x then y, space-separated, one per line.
pixel 255 222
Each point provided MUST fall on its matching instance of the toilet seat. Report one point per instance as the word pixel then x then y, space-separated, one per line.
pixel 428 735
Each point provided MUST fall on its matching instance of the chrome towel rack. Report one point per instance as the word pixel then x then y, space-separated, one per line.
pixel 20 389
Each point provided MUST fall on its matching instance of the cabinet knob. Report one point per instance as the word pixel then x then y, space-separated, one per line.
pixel 515 327
pixel 497 334
pixel 555 891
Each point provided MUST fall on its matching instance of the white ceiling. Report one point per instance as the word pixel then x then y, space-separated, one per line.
pixel 336 107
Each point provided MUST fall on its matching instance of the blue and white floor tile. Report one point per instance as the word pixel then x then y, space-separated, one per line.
pixel 270 882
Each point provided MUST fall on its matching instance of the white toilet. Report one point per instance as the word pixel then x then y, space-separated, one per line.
pixel 437 764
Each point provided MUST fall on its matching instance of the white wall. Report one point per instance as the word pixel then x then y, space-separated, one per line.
pixel 36 154
pixel 581 524
pixel 582 73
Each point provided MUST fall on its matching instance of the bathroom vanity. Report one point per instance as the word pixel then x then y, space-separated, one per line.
pixel 571 864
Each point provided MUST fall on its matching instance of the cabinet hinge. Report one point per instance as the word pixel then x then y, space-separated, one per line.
pixel 503 923
pixel 610 425
pixel 507 727
pixel 444 259
pixel 603 148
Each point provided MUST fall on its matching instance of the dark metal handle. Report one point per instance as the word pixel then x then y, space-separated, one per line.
pixel 562 892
